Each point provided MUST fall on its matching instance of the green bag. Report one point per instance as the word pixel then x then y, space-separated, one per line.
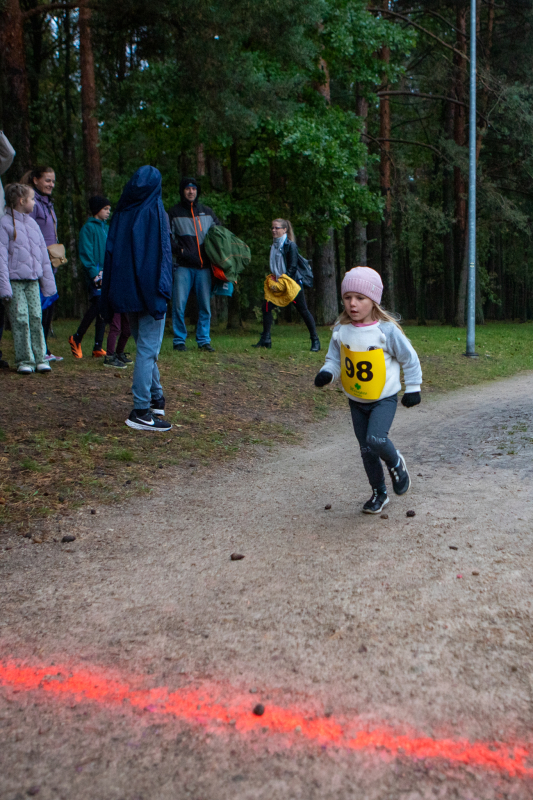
pixel 227 252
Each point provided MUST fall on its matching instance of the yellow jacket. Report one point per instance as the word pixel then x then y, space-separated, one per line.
pixel 282 291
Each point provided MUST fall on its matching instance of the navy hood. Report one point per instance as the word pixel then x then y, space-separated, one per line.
pixel 138 261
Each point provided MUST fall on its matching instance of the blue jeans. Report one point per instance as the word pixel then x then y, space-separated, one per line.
pixel 148 335
pixel 185 278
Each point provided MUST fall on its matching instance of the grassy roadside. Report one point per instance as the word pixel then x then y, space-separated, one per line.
pixel 63 441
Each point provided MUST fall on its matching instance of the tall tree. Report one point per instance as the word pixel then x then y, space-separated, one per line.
pixel 93 168
pixel 387 268
pixel 17 94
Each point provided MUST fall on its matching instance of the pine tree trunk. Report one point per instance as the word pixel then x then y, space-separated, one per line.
pixel 359 254
pixel 12 51
pixel 387 270
pixel 93 169
pixel 459 181
pixel 78 291
pixel 325 280
pixel 447 207
pixel 460 313
pixel 200 160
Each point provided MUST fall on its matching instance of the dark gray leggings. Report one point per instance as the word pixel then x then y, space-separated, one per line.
pixel 371 423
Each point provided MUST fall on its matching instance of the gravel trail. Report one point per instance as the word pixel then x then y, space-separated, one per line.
pixel 414 628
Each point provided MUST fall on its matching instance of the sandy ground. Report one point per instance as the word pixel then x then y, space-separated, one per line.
pixel 332 613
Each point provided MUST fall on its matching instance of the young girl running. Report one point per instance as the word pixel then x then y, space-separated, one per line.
pixel 366 351
pixel 24 266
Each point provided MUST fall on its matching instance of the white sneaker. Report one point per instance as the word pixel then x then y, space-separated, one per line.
pixel 24 370
pixel 44 367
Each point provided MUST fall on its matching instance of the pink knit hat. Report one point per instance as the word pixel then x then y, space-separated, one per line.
pixel 365 281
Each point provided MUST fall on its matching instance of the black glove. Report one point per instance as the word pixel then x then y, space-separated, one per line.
pixel 323 378
pixel 411 399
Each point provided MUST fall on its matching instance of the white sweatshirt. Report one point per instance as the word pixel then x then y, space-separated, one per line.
pixel 397 351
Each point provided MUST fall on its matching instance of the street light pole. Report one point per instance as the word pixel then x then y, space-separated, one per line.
pixel 471 296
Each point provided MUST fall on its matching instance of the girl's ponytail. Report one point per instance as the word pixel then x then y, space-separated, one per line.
pixel 13 193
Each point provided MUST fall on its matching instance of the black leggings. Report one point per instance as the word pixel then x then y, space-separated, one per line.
pixel 99 325
pixel 301 307
pixel 371 423
pixel 47 317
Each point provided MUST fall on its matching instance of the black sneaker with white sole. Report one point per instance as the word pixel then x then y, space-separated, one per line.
pixel 376 502
pixel 158 406
pixel 401 482
pixel 142 420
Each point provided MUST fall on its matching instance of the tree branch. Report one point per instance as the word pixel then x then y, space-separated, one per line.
pixel 416 144
pixel 404 93
pixel 419 28
pixel 47 7
pixel 402 141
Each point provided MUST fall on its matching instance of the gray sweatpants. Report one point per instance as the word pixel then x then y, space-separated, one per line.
pixel 371 423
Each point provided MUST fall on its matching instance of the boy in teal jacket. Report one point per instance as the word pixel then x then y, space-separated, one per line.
pixel 91 248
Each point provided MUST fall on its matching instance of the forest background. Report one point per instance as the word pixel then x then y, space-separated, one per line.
pixel 349 118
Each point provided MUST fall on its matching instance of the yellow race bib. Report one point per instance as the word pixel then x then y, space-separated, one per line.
pixel 363 375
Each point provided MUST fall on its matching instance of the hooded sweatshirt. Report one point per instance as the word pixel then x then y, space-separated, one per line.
pixel 397 352
pixel 189 223
pixel 138 260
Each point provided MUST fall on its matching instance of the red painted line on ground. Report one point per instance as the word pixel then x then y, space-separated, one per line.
pixel 227 708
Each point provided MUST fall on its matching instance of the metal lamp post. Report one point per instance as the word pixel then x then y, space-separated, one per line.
pixel 471 296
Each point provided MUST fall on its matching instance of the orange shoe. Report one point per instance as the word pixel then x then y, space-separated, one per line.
pixel 99 353
pixel 75 347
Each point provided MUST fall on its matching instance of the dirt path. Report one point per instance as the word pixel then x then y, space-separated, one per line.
pixel 364 624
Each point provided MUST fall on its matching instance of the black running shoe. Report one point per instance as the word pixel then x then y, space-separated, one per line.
pixel 207 347
pixel 376 502
pixel 125 358
pixel 158 407
pixel 114 362
pixel 401 482
pixel 142 420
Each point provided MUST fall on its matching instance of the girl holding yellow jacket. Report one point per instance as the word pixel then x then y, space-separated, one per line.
pixel 283 285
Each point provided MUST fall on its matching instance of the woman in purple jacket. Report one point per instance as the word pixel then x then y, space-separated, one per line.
pixel 42 180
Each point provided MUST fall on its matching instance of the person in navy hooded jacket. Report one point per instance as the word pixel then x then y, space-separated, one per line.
pixel 137 280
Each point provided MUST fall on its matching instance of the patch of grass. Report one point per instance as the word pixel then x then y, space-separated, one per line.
pixel 441 348
pixel 78 448
pixel 120 454
pixel 30 464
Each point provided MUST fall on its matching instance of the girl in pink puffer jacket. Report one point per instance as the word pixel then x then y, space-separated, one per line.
pixel 24 266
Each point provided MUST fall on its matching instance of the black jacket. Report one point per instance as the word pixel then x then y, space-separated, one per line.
pixel 290 256
pixel 189 223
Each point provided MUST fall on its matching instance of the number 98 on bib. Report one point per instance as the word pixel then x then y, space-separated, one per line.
pixel 363 374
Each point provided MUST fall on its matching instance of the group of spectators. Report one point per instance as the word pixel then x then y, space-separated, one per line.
pixel 134 267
